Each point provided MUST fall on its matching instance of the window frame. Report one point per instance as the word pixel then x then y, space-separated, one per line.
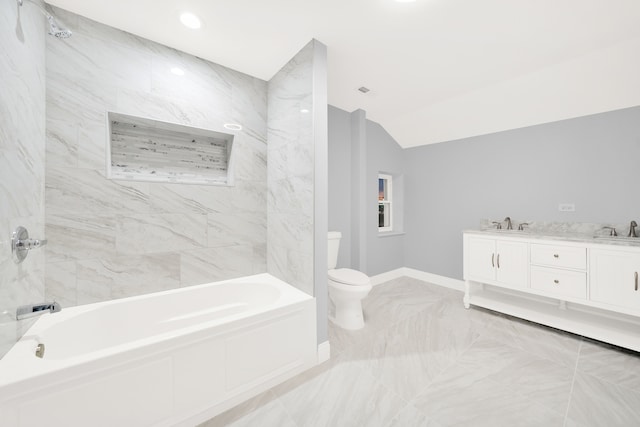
pixel 388 200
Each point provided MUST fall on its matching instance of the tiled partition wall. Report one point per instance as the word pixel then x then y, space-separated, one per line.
pixel 291 172
pixel 297 171
pixel 111 239
pixel 22 153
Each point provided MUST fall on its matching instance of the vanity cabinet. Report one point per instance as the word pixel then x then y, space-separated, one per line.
pixel 559 270
pixel 553 255
pixel 500 262
pixel 614 277
pixel 559 282
pixel 581 285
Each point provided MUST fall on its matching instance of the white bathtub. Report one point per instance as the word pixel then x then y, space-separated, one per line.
pixel 171 358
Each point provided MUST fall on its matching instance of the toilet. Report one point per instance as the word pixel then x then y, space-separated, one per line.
pixel 347 288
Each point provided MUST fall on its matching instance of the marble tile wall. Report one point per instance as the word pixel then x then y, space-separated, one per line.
pixel 112 238
pixel 290 171
pixel 22 157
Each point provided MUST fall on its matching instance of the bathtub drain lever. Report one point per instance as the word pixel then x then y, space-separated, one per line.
pixel 40 351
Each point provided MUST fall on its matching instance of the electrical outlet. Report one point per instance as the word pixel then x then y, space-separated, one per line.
pixel 567 207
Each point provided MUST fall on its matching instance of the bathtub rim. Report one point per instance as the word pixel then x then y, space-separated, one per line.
pixel 17 383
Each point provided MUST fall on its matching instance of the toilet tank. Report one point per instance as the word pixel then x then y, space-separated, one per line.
pixel 334 246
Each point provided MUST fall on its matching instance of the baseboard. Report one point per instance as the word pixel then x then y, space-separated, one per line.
pixel 324 352
pixel 436 279
pixel 385 277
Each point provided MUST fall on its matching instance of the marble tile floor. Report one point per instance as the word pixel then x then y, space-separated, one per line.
pixel 423 360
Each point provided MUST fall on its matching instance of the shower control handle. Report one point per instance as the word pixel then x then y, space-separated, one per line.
pixel 30 244
pixel 21 244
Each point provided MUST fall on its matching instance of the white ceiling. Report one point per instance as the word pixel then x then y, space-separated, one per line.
pixel 437 69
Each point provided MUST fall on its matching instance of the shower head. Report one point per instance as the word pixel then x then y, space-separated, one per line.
pixel 54 29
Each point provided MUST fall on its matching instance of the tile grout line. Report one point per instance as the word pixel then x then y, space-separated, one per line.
pixel 573 382
pixel 444 369
pixel 367 371
pixel 284 408
pixel 395 323
pixel 388 389
pixel 577 337
pixel 407 404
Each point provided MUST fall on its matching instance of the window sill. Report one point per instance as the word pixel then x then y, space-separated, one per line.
pixel 390 233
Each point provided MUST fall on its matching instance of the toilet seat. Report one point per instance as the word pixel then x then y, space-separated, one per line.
pixel 347 276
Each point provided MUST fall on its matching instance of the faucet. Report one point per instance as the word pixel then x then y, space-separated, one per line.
pixel 632 229
pixel 509 226
pixel 27 311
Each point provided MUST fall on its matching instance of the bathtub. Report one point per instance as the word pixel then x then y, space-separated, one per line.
pixel 173 358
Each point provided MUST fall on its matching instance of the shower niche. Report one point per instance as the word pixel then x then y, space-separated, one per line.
pixel 142 149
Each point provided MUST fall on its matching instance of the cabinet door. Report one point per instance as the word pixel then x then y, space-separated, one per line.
pixel 614 278
pixel 512 264
pixel 481 259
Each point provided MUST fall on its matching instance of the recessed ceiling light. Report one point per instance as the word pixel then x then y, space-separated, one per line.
pixel 190 20
pixel 304 111
pixel 405 1
pixel 232 126
pixel 177 71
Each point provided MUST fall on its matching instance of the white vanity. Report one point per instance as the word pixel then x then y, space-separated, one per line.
pixel 580 284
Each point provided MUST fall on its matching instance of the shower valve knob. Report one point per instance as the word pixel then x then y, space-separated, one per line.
pixel 21 244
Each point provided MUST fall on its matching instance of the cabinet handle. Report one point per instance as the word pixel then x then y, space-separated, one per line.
pixel 556 256
pixel 556 281
pixel 492 259
pixel 636 280
pixel 498 261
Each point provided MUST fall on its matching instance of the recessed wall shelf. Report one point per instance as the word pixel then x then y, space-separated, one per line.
pixel 142 149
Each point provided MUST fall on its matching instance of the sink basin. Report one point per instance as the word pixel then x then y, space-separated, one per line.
pixel 618 239
pixel 503 231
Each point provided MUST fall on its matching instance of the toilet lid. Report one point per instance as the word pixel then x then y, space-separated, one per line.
pixel 348 276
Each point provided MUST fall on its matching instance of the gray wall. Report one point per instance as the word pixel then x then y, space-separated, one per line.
pixel 114 238
pixel 340 180
pixel 22 156
pixel 592 161
pixel 359 203
pixel 384 155
pixel 358 150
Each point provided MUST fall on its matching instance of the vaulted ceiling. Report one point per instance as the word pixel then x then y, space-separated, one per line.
pixel 437 69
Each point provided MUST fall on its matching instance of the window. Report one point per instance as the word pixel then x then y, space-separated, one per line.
pixel 384 202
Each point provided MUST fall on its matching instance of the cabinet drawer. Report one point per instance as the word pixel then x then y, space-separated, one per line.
pixel 560 282
pixel 559 256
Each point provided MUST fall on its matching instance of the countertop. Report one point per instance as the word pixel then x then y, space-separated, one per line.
pixel 565 237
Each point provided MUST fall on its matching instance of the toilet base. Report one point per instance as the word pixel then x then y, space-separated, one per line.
pixel 348 315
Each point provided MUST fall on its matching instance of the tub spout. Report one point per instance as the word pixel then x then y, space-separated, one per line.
pixel 27 311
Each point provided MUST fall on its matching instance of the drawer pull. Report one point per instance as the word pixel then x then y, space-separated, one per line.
pixel 636 280
pixel 556 281
pixel 556 256
pixel 492 257
pixel 498 261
